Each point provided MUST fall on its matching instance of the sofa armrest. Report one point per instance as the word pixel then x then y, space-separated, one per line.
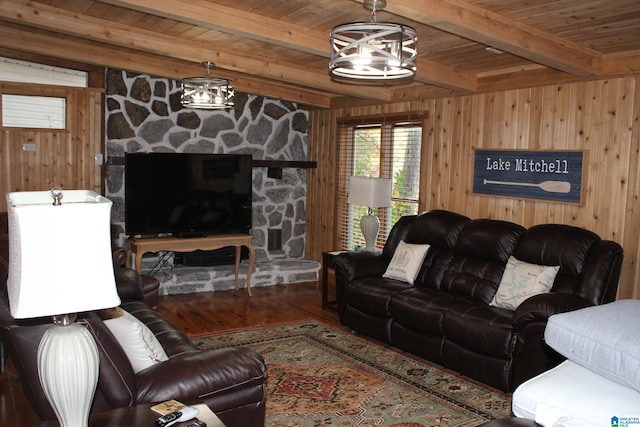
pixel 128 281
pixel 202 374
pixel 129 284
pixel 531 354
pixel 121 257
pixel 350 266
pixel 353 265
pixel 538 308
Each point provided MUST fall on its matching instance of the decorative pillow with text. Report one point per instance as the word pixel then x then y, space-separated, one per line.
pixel 406 262
pixel 522 280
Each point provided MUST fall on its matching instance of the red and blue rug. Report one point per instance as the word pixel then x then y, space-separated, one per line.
pixel 323 376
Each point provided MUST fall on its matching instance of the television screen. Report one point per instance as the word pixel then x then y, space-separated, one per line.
pixel 185 194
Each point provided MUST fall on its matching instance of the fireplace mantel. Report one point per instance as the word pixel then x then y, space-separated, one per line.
pixel 274 167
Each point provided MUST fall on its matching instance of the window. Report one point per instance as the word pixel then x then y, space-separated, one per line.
pixel 40 112
pixel 385 147
pixel 36 112
pixel 14 70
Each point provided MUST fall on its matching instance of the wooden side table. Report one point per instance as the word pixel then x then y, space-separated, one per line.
pixel 207 243
pixel 327 263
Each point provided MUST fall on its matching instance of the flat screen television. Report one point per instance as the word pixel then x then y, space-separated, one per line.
pixel 187 195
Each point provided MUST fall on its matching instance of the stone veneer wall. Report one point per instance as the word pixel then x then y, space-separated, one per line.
pixel 144 113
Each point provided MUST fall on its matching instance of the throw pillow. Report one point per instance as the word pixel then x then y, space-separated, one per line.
pixel 138 342
pixel 603 339
pixel 406 262
pixel 522 280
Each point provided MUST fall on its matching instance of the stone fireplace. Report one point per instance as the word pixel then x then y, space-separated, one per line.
pixel 144 114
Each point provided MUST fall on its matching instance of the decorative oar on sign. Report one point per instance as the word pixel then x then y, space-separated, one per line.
pixel 548 186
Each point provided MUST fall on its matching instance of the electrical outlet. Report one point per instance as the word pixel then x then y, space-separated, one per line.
pixel 99 159
pixel 27 146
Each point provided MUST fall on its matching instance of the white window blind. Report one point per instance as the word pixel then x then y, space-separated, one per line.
pixel 40 112
pixel 13 70
pixel 385 147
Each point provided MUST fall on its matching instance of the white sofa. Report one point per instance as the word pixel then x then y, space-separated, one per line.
pixel 599 384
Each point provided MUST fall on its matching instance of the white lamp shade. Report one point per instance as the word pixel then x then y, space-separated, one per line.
pixel 60 259
pixel 370 192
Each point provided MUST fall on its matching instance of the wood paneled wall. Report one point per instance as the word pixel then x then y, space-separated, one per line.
pixel 63 158
pixel 599 116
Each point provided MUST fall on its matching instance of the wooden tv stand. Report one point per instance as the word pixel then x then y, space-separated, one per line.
pixel 216 241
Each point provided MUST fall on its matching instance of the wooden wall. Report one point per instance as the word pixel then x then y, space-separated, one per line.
pixel 63 157
pixel 599 116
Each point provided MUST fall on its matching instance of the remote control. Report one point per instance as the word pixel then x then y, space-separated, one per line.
pixel 197 423
pixel 184 414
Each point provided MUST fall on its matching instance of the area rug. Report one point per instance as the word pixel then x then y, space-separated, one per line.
pixel 322 376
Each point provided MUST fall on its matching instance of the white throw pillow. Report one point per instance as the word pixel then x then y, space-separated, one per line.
pixel 142 347
pixel 604 339
pixel 522 280
pixel 406 262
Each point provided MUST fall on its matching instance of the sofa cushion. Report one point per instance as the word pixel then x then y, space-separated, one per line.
pixel 474 268
pixel 563 245
pixel 556 244
pixel 438 228
pixel 138 342
pixel 603 339
pixel 522 280
pixel 489 239
pixel 423 309
pixel 472 277
pixel 372 295
pixel 570 395
pixel 482 329
pixel 406 262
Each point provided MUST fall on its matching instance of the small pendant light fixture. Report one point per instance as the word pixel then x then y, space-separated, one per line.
pixel 373 50
pixel 207 93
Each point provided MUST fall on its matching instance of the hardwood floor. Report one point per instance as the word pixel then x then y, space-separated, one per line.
pixel 219 311
pixel 198 314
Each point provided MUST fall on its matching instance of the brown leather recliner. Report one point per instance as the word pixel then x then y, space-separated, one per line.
pixel 231 381
pixel 142 287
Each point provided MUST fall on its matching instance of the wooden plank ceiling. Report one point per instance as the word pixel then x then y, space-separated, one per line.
pixel 281 48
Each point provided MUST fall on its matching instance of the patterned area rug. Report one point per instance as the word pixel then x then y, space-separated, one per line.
pixel 322 376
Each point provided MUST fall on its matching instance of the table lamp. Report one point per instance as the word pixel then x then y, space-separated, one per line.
pixel 370 192
pixel 60 264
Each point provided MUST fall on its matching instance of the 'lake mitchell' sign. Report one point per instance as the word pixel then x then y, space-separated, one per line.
pixel 542 175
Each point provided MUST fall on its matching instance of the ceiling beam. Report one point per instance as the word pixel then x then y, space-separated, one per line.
pixel 526 78
pixel 443 76
pixel 483 26
pixel 88 27
pixel 622 62
pixel 44 43
pixel 292 36
pixel 233 21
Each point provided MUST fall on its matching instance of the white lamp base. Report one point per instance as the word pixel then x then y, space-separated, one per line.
pixel 370 226
pixel 68 369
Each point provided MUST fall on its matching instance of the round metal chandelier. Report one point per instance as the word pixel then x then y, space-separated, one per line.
pixel 373 50
pixel 207 93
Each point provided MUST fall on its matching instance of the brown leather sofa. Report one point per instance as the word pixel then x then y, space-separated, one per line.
pixel 231 381
pixel 148 287
pixel 445 316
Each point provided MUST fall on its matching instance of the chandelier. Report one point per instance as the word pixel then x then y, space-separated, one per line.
pixel 207 93
pixel 373 50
